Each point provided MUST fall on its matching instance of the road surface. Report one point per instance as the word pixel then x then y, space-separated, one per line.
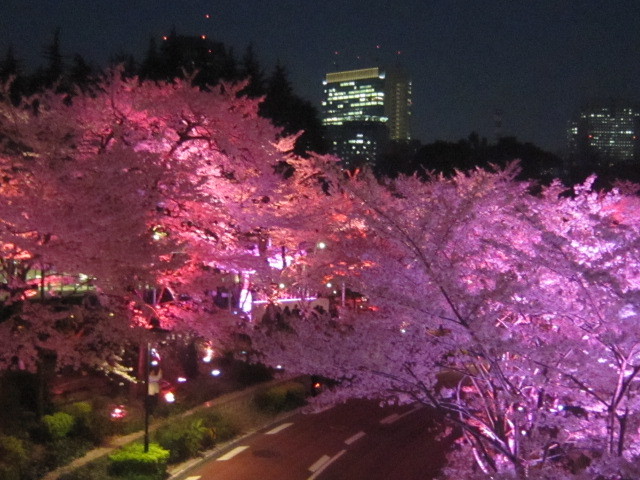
pixel 354 441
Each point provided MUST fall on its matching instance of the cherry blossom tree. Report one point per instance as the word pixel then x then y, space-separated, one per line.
pixel 137 186
pixel 514 313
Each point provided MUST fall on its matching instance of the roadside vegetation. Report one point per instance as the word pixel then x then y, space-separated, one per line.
pixel 77 422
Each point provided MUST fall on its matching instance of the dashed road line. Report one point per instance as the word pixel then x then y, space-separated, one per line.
pixel 319 463
pixel 354 438
pixel 325 463
pixel 278 429
pixel 390 419
pixel 233 453
pixel 394 417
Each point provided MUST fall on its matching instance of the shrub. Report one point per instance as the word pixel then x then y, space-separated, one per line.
pixel 9 472
pixel 12 450
pixel 221 426
pixel 184 440
pixel 61 451
pixel 13 457
pixel 58 425
pixel 281 398
pixel 96 470
pixel 88 424
pixel 80 410
pixel 132 460
pixel 250 374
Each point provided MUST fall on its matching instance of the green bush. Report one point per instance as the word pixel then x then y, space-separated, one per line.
pixel 12 450
pixel 251 373
pixel 281 398
pixel 96 470
pixel 65 450
pixel 132 460
pixel 88 423
pixel 58 425
pixel 13 457
pixel 184 440
pixel 102 425
pixel 220 425
pixel 9 472
pixel 79 410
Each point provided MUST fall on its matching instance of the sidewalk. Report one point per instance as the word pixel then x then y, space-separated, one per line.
pixel 176 470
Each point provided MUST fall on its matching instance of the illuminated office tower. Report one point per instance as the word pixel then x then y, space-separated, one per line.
pixel 364 109
pixel 605 134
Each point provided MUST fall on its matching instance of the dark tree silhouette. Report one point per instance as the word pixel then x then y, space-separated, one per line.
pixel 80 73
pixel 292 113
pixel 251 70
pixel 54 68
pixel 446 158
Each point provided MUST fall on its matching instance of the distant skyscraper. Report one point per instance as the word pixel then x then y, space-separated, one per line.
pixel 604 134
pixel 364 109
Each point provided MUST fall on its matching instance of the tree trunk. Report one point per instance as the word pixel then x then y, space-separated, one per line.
pixel 622 420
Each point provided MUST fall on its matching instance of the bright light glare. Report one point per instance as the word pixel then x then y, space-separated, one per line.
pixel 215 372
pixel 118 412
pixel 208 356
pixel 169 397
pixel 246 299
pixel 182 379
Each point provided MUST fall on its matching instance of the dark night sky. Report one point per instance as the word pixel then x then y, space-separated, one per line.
pixel 535 61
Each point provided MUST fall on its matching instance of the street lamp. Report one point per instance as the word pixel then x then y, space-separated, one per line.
pixel 147 365
pixel 151 360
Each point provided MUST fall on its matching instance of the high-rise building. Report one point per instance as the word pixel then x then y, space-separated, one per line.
pixel 605 134
pixel 364 109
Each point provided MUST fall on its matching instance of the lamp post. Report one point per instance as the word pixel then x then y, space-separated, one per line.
pixel 147 361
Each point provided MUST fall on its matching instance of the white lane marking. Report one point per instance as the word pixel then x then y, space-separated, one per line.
pixel 390 419
pixel 194 478
pixel 394 417
pixel 354 438
pixel 323 409
pixel 320 462
pixel 326 463
pixel 279 428
pixel 233 453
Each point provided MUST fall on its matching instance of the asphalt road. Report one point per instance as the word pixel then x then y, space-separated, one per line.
pixel 354 441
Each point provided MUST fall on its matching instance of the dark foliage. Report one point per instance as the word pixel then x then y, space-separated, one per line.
pixel 446 157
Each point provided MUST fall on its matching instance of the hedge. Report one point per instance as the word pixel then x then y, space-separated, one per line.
pixel 58 425
pixel 133 460
pixel 281 398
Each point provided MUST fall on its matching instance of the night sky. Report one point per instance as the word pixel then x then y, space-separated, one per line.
pixel 533 61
